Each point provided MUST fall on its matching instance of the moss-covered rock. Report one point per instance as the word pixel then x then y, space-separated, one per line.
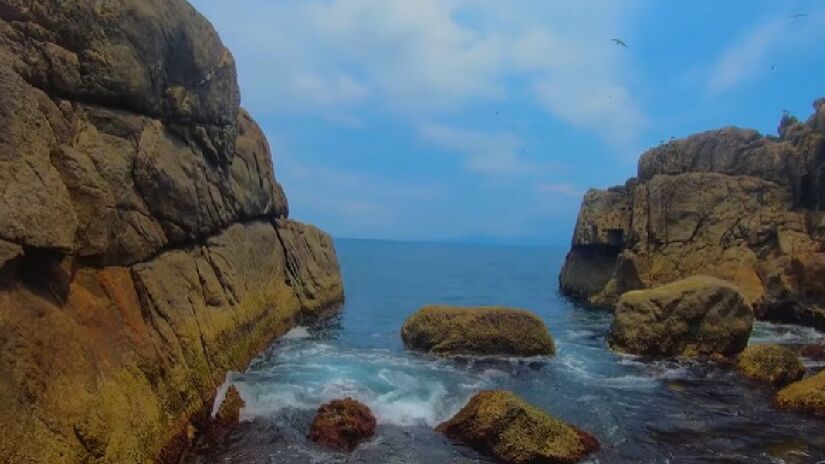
pixel 342 424
pixel 445 330
pixel 773 364
pixel 513 431
pixel 695 316
pixel 806 396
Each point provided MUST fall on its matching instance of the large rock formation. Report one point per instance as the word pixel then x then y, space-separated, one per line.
pixel 144 245
pixel 730 203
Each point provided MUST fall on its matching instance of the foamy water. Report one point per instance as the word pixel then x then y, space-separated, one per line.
pixel 641 411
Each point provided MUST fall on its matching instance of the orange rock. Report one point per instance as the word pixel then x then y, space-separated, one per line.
pixel 342 424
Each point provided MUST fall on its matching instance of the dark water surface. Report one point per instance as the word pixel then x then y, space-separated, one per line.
pixel 642 412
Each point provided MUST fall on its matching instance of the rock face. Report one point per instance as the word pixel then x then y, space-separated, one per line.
pixel 730 203
pixel 773 364
pixel 445 331
pixel 144 242
pixel 503 425
pixel 699 315
pixel 807 396
pixel 342 424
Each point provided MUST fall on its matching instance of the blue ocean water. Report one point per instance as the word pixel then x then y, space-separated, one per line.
pixel 642 412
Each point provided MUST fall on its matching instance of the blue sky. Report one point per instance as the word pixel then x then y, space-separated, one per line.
pixel 486 120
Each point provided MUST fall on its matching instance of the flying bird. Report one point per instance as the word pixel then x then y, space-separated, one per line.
pixel 773 66
pixel 619 42
pixel 798 15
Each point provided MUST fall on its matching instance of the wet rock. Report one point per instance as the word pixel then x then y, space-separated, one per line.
pixel 445 330
pixel 228 415
pixel 729 203
pixel 806 396
pixel 342 424
pixel 774 364
pixel 696 316
pixel 505 426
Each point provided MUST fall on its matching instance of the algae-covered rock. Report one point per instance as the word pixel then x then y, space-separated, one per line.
pixel 515 432
pixel 807 396
pixel 342 424
pixel 445 330
pixel 774 364
pixel 695 316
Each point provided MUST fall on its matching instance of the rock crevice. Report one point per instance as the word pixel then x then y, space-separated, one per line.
pixel 145 248
pixel 729 203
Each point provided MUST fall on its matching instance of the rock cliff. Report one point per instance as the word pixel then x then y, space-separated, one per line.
pixel 144 242
pixel 729 203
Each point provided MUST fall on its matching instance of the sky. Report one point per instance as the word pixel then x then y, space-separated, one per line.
pixel 487 120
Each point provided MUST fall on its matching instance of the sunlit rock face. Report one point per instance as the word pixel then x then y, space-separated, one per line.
pixel 729 203
pixel 144 242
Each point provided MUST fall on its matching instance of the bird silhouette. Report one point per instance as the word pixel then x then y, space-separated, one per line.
pixel 619 42
pixel 773 66
pixel 798 15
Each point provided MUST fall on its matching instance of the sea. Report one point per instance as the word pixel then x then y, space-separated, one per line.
pixel 641 411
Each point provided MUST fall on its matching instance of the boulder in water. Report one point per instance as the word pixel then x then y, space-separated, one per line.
pixel 774 364
pixel 446 330
pixel 342 424
pixel 807 396
pixel 513 431
pixel 695 316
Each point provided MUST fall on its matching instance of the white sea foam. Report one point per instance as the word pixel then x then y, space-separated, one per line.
pixel 296 333
pixel 400 388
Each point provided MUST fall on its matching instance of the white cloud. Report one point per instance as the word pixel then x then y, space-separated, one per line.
pixel 562 188
pixel 487 153
pixel 425 57
pixel 755 52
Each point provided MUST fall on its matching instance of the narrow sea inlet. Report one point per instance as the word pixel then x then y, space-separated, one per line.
pixel 641 412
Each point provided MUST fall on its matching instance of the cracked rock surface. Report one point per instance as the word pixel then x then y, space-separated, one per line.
pixel 729 203
pixel 145 248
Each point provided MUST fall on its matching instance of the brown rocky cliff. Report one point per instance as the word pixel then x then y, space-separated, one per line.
pixel 144 242
pixel 730 203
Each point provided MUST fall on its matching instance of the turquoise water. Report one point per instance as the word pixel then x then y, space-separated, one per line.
pixel 642 412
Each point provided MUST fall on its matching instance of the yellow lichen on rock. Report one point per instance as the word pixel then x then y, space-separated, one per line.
pixel 446 330
pixel 807 396
pixel 513 431
pixel 699 315
pixel 773 364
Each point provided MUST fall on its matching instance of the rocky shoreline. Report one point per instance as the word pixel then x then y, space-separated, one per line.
pixel 729 203
pixel 145 248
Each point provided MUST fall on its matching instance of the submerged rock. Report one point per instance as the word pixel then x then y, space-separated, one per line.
pixel 445 330
pixel 505 426
pixel 807 396
pixel 696 316
pixel 342 424
pixel 729 203
pixel 773 364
